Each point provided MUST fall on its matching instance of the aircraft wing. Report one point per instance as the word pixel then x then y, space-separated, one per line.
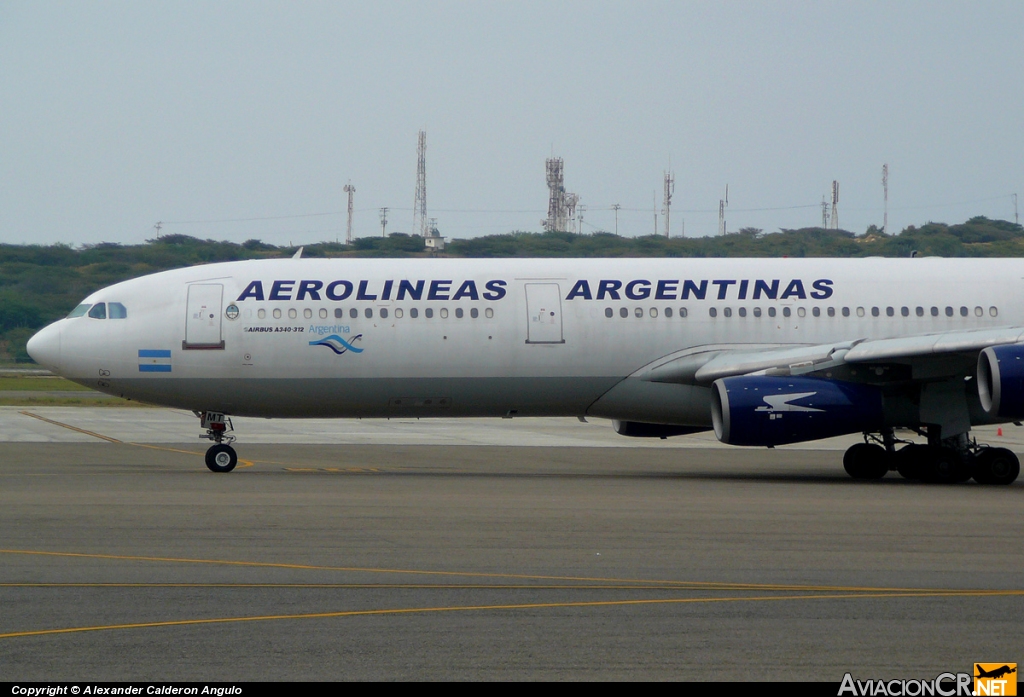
pixel 714 362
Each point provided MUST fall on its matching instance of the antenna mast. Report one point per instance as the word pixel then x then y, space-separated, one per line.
pixel 722 204
pixel 383 221
pixel 419 206
pixel 835 205
pixel 670 188
pixel 885 196
pixel 349 189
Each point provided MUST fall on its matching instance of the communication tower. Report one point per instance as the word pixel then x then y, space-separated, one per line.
pixel 349 189
pixel 885 196
pixel 561 204
pixel 670 188
pixel 722 205
pixel 835 205
pixel 419 205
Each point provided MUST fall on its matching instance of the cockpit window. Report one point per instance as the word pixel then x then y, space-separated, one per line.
pixel 79 311
pixel 118 311
pixel 98 311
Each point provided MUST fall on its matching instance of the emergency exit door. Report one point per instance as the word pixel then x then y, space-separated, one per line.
pixel 544 314
pixel 203 317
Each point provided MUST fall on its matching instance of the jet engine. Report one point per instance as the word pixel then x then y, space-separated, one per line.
pixel 1001 381
pixel 758 410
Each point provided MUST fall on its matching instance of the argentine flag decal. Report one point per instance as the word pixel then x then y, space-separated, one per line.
pixel 154 360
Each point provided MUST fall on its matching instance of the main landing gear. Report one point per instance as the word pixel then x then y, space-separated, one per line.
pixel 221 457
pixel 948 461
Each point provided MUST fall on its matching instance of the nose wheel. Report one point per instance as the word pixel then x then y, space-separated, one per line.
pixel 221 457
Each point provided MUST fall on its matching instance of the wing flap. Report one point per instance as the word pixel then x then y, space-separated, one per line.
pixel 931 344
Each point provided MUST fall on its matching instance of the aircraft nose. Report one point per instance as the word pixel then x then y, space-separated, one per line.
pixel 44 347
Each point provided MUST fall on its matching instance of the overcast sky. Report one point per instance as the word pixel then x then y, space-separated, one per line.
pixel 114 116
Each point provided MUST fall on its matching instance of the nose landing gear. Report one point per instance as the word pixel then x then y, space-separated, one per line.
pixel 221 457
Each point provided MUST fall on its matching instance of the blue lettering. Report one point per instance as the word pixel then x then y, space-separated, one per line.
pixel 698 291
pixel 437 288
pixel 415 292
pixel 386 293
pixel 280 288
pixel 466 290
pixel 667 290
pixel 795 287
pixel 311 288
pixel 635 292
pixel 580 290
pixel 611 288
pixel 822 289
pixel 497 290
pixel 254 290
pixel 743 289
pixel 362 294
pixel 723 287
pixel 332 293
pixel 770 291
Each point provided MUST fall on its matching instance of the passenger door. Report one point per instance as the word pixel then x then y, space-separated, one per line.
pixel 203 317
pixel 544 314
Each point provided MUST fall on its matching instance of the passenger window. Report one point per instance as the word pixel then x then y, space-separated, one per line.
pixel 654 312
pixel 935 311
pixel 368 312
pixel 489 313
pixel 728 312
pixel 712 312
pixel 79 311
pixel 307 313
pixel 846 312
pixel 771 311
pixel 742 311
pixel 353 313
pixel 623 312
pixel 277 313
pixel 292 314
pixel 786 312
pixel 978 312
pixel 444 313
pixel 413 312
pixel 801 312
pixel 474 313
pixel 905 311
pixel 668 311
pixel 98 311
pixel 398 313
pixel 874 312
pixel 831 312
pixel 963 311
pixel 428 313
pixel 118 311
pixel 639 312
pixel 816 312
pixel 458 312
pixel 890 311
pixel 682 312
pixel 338 313
pixel 949 311
pixel 993 311
pixel 608 312
pixel 860 311
pixel 323 313
pixel 757 312
pixel 919 311
pixel 383 313
pixel 261 313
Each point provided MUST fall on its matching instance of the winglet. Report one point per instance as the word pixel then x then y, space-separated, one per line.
pixel 298 254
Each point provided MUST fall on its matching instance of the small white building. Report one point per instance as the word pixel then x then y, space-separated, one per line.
pixel 433 240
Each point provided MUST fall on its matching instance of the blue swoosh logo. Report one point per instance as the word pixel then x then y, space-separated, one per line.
pixel 337 344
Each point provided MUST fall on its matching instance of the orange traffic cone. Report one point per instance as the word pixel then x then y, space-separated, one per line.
pixel 999 431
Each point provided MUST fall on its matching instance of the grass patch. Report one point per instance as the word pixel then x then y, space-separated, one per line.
pixel 40 383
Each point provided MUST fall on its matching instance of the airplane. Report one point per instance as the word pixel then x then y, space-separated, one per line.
pixel 765 352
pixel 996 673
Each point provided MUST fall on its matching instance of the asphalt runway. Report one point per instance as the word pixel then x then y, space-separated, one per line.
pixel 467 557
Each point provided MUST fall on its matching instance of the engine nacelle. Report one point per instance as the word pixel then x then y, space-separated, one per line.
pixel 756 410
pixel 639 429
pixel 1001 381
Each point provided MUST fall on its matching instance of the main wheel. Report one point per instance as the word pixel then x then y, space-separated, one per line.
pixel 865 461
pixel 944 466
pixel 995 466
pixel 221 458
pixel 910 460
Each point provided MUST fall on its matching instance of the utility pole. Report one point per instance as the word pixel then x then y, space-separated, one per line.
pixel 654 209
pixel 383 221
pixel 1016 219
pixel 824 214
pixel 159 225
pixel 349 189
pixel 670 188
pixel 616 207
pixel 885 196
pixel 579 218
pixel 722 203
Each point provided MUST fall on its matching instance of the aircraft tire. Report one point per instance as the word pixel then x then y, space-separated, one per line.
pixel 221 458
pixel 996 466
pixel 910 461
pixel 866 461
pixel 944 466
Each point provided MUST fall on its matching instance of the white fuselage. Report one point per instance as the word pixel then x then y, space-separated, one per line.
pixel 462 337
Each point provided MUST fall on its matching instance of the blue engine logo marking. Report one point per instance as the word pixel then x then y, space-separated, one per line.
pixel 339 345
